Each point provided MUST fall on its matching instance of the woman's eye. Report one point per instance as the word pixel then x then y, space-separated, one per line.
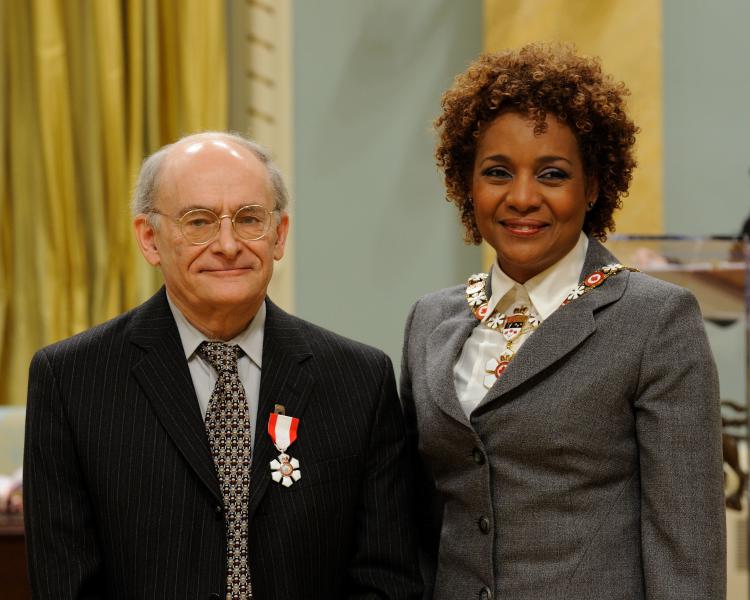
pixel 500 172
pixel 553 174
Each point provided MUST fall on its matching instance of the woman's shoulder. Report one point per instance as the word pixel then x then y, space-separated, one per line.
pixel 442 300
pixel 649 287
pixel 436 306
pixel 651 297
pixel 433 308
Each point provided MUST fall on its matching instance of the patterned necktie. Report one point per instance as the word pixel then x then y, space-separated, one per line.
pixel 228 428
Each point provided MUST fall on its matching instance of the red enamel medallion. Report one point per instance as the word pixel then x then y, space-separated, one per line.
pixel 501 366
pixel 594 279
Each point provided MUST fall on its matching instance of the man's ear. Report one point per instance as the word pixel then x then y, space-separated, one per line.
pixel 145 235
pixel 282 230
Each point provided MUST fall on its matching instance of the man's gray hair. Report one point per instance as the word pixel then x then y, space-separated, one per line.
pixel 144 194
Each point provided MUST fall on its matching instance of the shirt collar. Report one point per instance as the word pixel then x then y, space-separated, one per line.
pixel 250 340
pixel 549 288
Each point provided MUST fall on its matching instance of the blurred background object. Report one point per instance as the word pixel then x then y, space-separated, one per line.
pixel 11 457
pixel 13 585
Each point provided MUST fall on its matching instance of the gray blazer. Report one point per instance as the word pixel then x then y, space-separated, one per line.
pixel 592 469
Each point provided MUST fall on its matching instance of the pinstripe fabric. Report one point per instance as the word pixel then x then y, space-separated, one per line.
pixel 122 498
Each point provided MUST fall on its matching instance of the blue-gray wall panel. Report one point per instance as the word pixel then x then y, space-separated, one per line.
pixel 372 229
pixel 706 116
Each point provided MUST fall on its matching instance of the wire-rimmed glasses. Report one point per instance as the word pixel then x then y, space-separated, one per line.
pixel 200 226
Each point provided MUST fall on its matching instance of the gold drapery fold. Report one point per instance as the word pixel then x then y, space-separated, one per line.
pixel 67 269
pixel 5 224
pixel 89 89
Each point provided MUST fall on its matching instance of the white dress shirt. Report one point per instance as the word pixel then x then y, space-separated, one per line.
pixel 204 376
pixel 543 294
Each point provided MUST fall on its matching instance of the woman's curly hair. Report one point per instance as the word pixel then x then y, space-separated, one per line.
pixel 537 80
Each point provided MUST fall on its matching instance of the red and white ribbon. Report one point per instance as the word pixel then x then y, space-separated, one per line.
pixel 283 430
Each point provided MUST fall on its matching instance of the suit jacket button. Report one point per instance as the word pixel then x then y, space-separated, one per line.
pixel 219 513
pixel 214 597
pixel 478 456
pixel 485 593
pixel 484 525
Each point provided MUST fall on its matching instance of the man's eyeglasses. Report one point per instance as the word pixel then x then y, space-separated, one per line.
pixel 201 226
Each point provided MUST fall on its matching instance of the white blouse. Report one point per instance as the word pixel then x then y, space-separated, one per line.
pixel 542 294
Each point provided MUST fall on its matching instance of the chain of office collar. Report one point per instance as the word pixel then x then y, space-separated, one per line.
pixel 476 293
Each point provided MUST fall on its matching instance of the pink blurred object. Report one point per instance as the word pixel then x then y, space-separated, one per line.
pixel 11 499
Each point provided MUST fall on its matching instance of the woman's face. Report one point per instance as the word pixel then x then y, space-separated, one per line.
pixel 530 193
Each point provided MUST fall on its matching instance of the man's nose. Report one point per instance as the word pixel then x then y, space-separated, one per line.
pixel 226 240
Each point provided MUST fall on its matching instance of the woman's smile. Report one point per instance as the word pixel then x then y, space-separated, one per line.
pixel 530 193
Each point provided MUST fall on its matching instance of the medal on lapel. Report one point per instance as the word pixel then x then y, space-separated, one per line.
pixel 514 325
pixel 283 431
pixel 496 366
pixel 520 321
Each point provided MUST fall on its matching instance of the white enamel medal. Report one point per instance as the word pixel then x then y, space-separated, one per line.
pixel 285 470
pixel 283 431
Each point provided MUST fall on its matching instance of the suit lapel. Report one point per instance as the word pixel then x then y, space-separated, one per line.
pixel 565 329
pixel 284 380
pixel 164 376
pixel 444 345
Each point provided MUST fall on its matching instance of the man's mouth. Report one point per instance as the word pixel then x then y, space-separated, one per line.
pixel 227 271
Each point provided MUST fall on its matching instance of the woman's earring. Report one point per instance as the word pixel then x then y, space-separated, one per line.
pixel 590 205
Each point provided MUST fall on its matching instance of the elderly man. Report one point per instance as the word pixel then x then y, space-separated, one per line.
pixel 207 444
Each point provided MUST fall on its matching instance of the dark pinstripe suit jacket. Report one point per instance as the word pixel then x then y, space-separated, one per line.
pixel 122 499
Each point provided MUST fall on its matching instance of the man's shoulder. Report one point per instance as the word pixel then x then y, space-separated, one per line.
pixel 96 340
pixel 92 338
pixel 323 342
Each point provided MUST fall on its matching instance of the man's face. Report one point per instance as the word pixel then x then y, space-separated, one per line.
pixel 228 272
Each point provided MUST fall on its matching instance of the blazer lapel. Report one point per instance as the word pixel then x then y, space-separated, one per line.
pixel 443 347
pixel 165 378
pixel 565 329
pixel 284 380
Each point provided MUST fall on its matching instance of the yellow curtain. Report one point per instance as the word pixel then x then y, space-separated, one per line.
pixel 89 89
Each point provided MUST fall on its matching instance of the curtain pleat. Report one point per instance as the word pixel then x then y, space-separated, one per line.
pixel 68 272
pixel 110 77
pixel 28 317
pixel 5 223
pixel 89 89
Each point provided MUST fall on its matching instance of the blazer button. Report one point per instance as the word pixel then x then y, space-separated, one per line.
pixel 478 456
pixel 485 593
pixel 219 513
pixel 214 597
pixel 484 525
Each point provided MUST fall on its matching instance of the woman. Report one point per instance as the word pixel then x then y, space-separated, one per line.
pixel 564 408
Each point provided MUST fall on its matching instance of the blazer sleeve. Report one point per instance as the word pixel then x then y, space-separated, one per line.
pixel 678 428
pixel 425 502
pixel 63 552
pixel 383 565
